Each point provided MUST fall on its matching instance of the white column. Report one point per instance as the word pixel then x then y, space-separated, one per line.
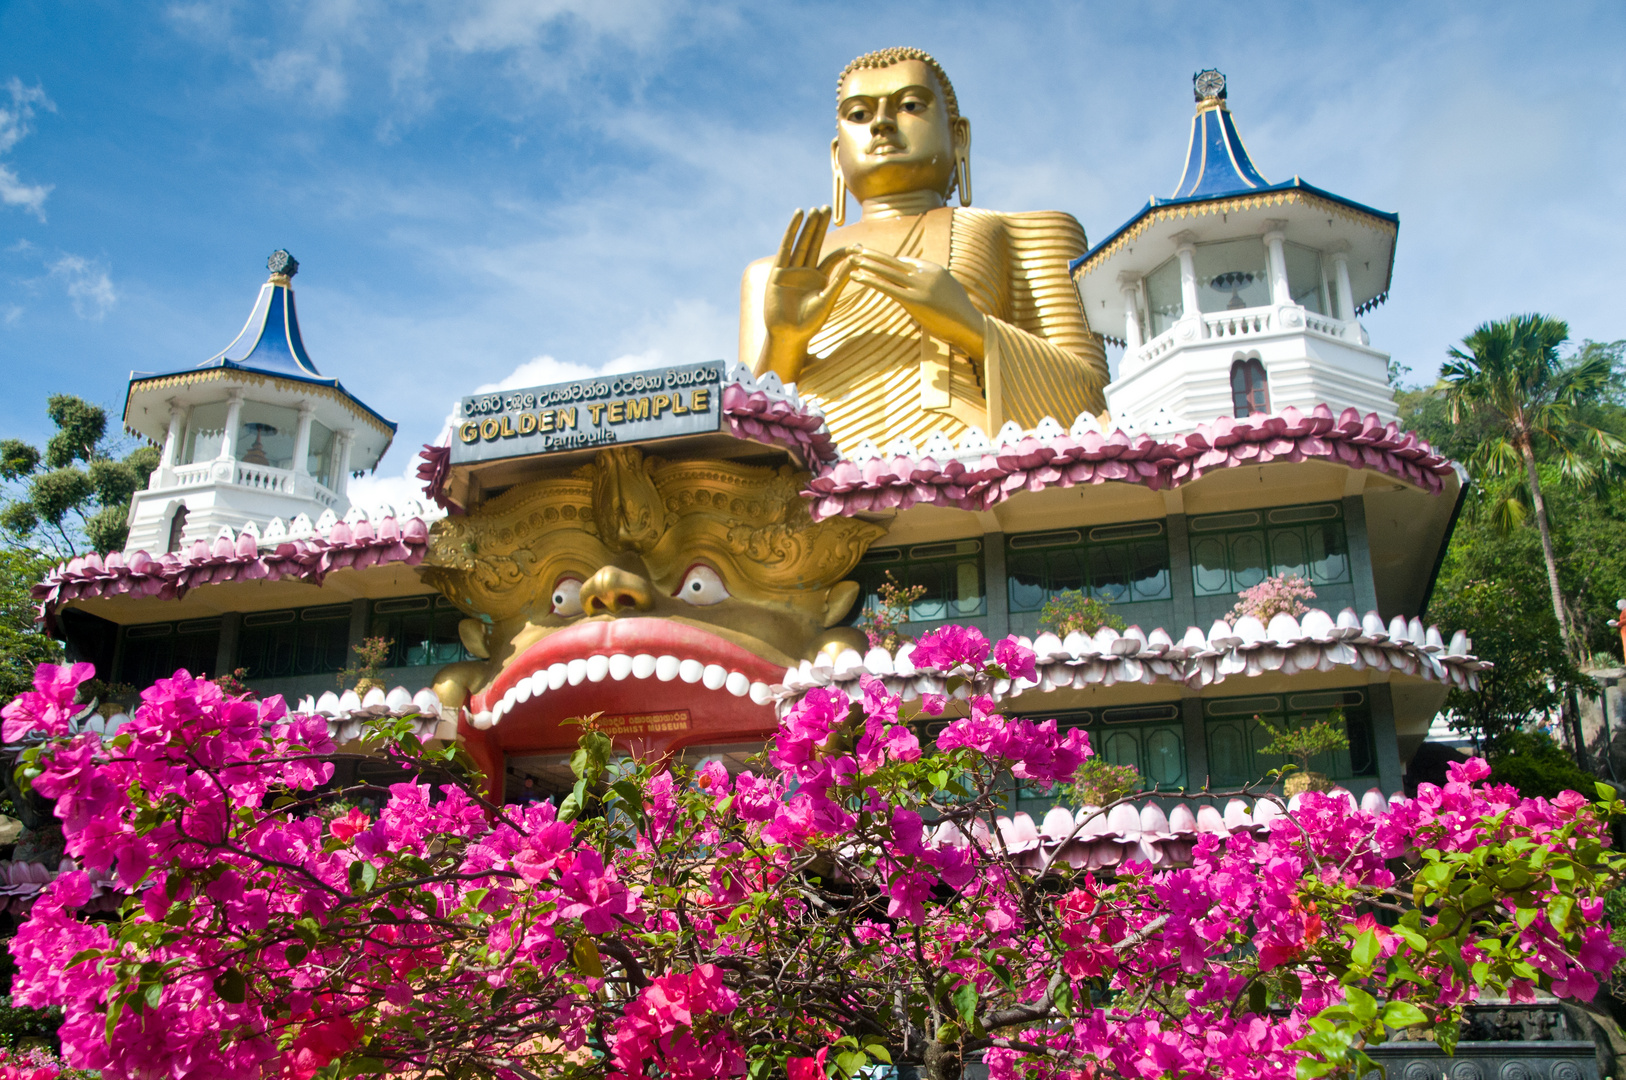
pixel 164 474
pixel 302 438
pixel 1275 241
pixel 1129 285
pixel 1346 295
pixel 234 418
pixel 1189 307
pixel 341 471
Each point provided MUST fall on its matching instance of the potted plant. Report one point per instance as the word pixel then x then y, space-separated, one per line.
pixel 1099 782
pixel 1299 745
pixel 883 623
pixel 362 673
pixel 1283 594
pixel 1071 611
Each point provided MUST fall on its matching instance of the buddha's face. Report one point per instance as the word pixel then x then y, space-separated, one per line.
pixel 894 134
pixel 646 566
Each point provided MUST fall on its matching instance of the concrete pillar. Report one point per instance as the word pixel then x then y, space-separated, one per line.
pixel 302 438
pixel 1181 589
pixel 1385 744
pixel 234 420
pixel 341 468
pixel 1360 555
pixel 996 583
pixel 1346 295
pixel 358 625
pixel 1191 710
pixel 172 436
pixel 231 627
pixel 1276 259
pixel 1129 285
pixel 1190 308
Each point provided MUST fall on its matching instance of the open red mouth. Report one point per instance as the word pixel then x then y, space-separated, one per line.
pixel 656 681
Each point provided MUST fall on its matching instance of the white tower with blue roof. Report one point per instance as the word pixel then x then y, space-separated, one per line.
pixel 1237 296
pixel 252 434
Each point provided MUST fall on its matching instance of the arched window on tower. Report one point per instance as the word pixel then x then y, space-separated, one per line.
pixel 177 524
pixel 1249 393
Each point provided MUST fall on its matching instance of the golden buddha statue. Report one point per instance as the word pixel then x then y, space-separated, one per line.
pixel 920 317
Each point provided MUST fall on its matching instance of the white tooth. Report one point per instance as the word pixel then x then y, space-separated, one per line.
pixel 666 668
pixel 620 666
pixel 576 671
pixel 691 670
pixel 522 690
pixel 597 668
pixel 483 720
pixel 643 666
pixel 737 684
pixel 713 676
pixel 539 683
pixel 760 693
pixel 556 676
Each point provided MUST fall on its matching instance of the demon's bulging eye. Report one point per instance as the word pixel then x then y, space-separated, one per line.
pixel 702 586
pixel 567 597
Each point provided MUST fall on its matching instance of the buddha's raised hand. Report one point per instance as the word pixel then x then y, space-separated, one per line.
pixel 801 291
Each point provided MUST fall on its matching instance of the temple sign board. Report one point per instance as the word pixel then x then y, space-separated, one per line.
pixel 604 410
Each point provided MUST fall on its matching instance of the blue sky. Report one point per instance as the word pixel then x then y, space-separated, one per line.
pixel 504 191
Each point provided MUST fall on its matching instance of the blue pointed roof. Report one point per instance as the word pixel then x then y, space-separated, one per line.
pixel 1218 167
pixel 270 342
pixel 1216 161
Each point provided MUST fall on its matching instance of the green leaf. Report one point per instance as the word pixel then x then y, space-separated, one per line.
pixel 1361 1003
pixel 232 987
pixel 297 953
pixel 965 1003
pixel 1258 998
pixel 363 875
pixel 1559 909
pixel 1524 916
pixel 586 957
pixel 851 1061
pixel 1403 1014
pixel 949 1033
pixel 154 994
pixel 1605 792
pixel 1366 950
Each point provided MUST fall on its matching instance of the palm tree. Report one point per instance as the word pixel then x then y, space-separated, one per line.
pixel 1508 376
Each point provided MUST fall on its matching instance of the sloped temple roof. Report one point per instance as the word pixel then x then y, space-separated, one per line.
pixel 269 343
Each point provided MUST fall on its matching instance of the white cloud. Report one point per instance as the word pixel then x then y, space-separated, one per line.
pixel 88 286
pixel 15 124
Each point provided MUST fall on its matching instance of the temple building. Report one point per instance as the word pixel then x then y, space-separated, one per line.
pixel 687 550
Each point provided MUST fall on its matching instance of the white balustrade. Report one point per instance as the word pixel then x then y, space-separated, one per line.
pixel 1245 322
pixel 264 478
pixel 198 473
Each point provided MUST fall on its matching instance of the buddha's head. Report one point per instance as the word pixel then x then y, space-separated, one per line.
pixel 898 127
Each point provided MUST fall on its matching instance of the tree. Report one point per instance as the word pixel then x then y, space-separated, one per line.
pixel 854 903
pixel 24 645
pixel 76 495
pixel 1508 375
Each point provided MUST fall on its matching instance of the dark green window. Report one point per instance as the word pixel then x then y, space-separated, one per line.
pixel 302 641
pixel 1118 564
pixel 1232 552
pixel 1237 728
pixel 157 650
pixel 423 630
pixel 951 572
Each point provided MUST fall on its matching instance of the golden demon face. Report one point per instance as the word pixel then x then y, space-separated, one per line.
pixel 643 589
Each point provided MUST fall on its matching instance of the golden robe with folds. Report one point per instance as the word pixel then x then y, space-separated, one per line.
pixel 878 376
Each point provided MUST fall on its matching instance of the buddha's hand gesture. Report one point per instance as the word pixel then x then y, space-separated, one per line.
pixel 800 293
pixel 928 292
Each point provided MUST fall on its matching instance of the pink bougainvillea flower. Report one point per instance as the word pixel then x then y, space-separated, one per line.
pixel 807 1068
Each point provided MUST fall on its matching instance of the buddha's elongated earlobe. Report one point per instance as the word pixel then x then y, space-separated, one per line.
pixel 838 191
pixel 962 159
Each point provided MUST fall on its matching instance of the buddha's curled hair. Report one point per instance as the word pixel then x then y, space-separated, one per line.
pixel 887 57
